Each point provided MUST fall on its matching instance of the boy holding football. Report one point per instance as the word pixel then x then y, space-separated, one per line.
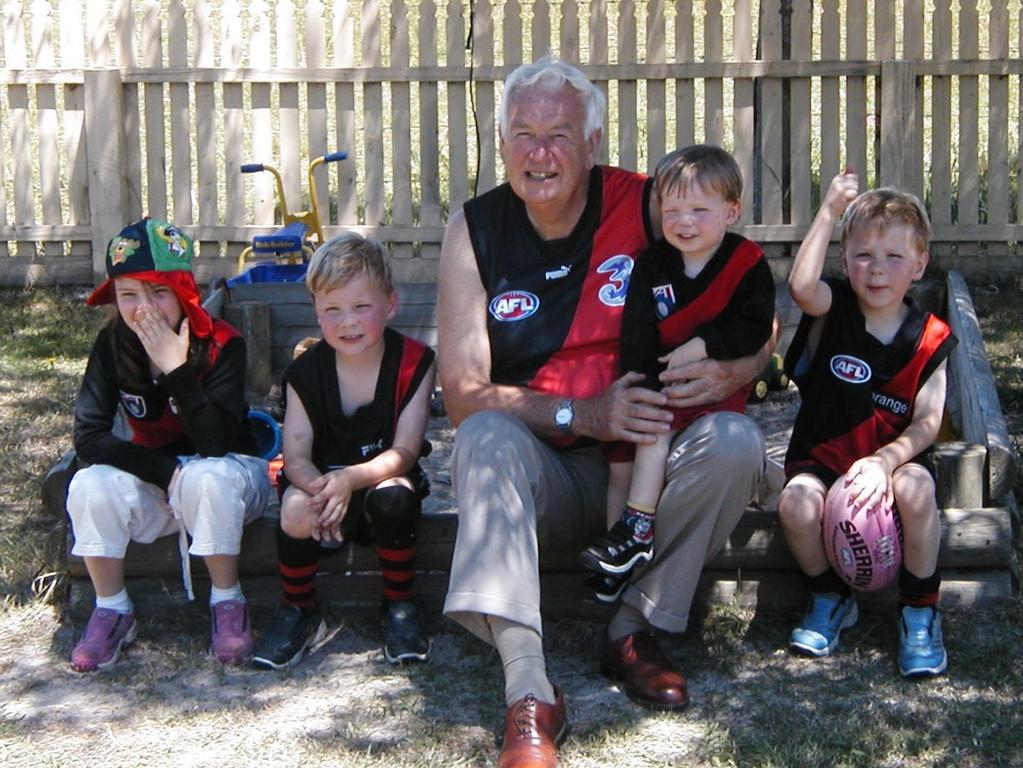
pixel 870 366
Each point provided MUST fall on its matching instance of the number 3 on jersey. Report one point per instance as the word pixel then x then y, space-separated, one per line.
pixel 617 268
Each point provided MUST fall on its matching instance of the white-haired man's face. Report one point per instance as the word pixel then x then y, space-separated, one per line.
pixel 546 153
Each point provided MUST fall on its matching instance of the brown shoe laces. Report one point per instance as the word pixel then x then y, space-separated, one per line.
pixel 525 715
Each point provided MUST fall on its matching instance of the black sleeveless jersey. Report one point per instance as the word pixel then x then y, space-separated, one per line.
pixel 554 308
pixel 857 393
pixel 340 440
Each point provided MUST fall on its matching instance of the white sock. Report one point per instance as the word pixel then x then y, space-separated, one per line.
pixel 119 602
pixel 218 595
pixel 521 651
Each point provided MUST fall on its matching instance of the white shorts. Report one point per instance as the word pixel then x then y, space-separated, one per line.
pixel 213 499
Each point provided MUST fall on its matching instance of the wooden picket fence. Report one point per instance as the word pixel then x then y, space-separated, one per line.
pixel 113 110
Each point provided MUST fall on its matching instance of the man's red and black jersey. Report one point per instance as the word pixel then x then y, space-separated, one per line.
pixel 729 304
pixel 857 393
pixel 554 308
pixel 344 440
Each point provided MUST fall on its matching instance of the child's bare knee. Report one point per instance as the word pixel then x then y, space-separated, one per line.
pixel 913 481
pixel 296 518
pixel 913 487
pixel 800 504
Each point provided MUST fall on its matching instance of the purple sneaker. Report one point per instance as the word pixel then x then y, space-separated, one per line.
pixel 230 633
pixel 106 633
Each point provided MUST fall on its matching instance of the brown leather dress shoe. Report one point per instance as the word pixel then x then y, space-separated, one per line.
pixel 532 732
pixel 650 678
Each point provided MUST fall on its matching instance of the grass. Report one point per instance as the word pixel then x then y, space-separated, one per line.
pixel 754 705
pixel 45 337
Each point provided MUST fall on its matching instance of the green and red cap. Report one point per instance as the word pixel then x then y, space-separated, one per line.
pixel 156 252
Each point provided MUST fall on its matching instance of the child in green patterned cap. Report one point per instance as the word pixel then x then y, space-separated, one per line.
pixel 176 377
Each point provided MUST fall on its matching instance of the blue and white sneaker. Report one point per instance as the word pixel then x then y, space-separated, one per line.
pixel 921 651
pixel 829 613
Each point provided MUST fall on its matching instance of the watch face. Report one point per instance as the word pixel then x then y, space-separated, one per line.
pixel 563 416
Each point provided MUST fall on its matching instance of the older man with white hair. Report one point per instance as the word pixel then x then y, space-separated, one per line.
pixel 533 278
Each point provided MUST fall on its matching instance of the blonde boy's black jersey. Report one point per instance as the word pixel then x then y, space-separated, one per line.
pixel 857 393
pixel 342 440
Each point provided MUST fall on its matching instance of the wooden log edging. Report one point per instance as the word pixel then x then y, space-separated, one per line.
pixel 971 538
pixel 959 471
pixel 755 568
pixel 973 400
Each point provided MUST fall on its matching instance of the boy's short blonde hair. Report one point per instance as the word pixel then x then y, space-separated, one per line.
pixel 881 208
pixel 346 256
pixel 707 166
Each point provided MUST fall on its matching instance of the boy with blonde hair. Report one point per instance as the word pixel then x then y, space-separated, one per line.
pixel 866 431
pixel 356 408
pixel 699 292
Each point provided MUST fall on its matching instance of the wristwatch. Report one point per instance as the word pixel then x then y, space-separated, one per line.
pixel 563 416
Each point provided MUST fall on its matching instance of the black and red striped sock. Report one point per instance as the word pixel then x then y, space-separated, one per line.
pixel 917 592
pixel 399 570
pixel 298 560
pixel 395 512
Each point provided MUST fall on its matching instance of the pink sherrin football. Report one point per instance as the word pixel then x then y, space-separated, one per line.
pixel 864 547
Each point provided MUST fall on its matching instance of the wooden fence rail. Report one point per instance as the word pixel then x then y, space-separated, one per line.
pixel 113 110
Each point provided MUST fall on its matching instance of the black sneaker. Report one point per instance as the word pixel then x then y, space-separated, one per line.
pixel 404 639
pixel 617 552
pixel 606 587
pixel 284 643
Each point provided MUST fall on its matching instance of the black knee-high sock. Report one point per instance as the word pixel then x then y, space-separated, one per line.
pixel 829 581
pixel 298 560
pixel 395 512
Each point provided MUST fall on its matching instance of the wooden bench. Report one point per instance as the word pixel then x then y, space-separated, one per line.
pixel 975 470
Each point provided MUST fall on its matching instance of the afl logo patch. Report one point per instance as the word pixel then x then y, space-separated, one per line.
pixel 135 405
pixel 850 369
pixel 512 306
pixel 664 300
